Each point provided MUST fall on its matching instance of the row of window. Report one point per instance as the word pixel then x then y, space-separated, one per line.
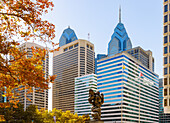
pixel 71 47
pixel 166 70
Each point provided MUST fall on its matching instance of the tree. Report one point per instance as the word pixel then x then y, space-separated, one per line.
pixel 63 117
pixel 21 20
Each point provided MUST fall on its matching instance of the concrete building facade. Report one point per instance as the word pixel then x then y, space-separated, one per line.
pixel 74 59
pixel 166 57
pixel 37 98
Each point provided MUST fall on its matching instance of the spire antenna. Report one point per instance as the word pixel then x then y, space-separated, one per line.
pixel 120 14
pixel 88 36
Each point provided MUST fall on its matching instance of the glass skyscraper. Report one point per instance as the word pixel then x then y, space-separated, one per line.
pixel 130 90
pixel 119 41
pixel 82 86
pixel 67 36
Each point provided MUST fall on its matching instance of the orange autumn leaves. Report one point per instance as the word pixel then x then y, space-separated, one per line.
pixel 21 21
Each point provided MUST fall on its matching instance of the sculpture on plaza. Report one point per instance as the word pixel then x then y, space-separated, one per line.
pixel 96 99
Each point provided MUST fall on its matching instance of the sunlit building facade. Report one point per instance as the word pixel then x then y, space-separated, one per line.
pixel 119 40
pixel 130 90
pixel 74 59
pixel 166 56
pixel 82 86
pixel 40 99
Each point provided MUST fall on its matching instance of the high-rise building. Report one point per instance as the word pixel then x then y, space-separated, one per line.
pixel 126 78
pixel 163 117
pixel 166 57
pixel 82 86
pixel 73 59
pixel 145 57
pixel 130 90
pixel 37 98
pixel 119 40
pixel 67 36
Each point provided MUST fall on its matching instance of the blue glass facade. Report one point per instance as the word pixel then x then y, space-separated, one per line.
pixel 119 41
pixel 127 97
pixel 67 37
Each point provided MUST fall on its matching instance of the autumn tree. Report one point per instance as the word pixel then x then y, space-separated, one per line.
pixel 21 21
pixel 63 117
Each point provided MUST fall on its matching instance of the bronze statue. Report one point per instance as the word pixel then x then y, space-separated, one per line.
pixel 96 99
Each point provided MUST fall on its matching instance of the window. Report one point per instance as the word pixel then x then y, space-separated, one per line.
pixel 165 29
pixel 76 45
pixel 165 0
pixel 165 71
pixel 165 39
pixel 165 91
pixel 71 47
pixel 165 60
pixel 165 18
pixel 165 81
pixel 165 50
pixel 87 46
pixel 91 47
pixel 165 8
pixel 65 49
pixel 165 102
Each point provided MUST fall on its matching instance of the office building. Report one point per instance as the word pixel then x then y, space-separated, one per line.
pixel 119 40
pixel 74 59
pixel 145 57
pixel 37 98
pixel 67 36
pixel 163 117
pixel 166 57
pixel 127 80
pixel 82 86
pixel 130 90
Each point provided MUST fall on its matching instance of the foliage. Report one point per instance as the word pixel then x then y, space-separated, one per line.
pixel 21 20
pixel 63 117
pixel 12 114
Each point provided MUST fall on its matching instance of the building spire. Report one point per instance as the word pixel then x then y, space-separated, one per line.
pixel 120 14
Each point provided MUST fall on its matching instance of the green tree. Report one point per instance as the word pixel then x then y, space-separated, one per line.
pixel 63 117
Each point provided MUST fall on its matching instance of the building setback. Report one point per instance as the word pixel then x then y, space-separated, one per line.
pixel 166 57
pixel 130 90
pixel 82 86
pixel 37 98
pixel 73 59
pixel 145 57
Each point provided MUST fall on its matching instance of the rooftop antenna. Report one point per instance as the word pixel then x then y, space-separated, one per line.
pixel 120 14
pixel 88 36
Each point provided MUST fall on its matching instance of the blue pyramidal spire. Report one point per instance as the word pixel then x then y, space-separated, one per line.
pixel 67 37
pixel 119 40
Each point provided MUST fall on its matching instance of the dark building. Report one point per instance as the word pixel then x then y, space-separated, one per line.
pixel 145 57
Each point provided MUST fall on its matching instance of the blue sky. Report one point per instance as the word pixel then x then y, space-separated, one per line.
pixel 143 20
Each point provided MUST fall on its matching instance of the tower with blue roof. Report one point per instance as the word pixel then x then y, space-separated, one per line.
pixel 68 36
pixel 119 40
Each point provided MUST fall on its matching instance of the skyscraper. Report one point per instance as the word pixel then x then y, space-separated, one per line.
pixel 166 58
pixel 125 76
pixel 82 86
pixel 119 41
pixel 37 98
pixel 67 36
pixel 73 59
pixel 130 90
pixel 163 117
pixel 145 57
